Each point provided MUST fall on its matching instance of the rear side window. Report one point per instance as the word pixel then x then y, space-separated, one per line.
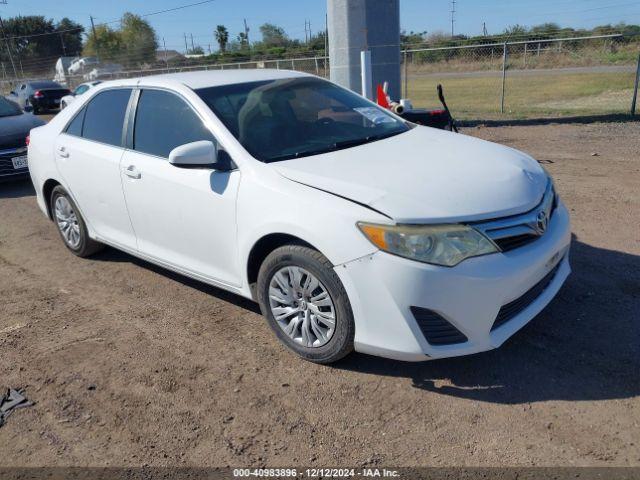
pixel 164 121
pixel 104 118
pixel 75 127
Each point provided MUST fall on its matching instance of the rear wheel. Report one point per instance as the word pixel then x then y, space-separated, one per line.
pixel 70 224
pixel 305 304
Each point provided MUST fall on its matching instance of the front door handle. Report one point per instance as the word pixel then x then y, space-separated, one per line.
pixel 63 152
pixel 133 172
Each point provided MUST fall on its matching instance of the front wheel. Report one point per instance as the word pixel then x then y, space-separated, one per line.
pixel 305 304
pixel 70 224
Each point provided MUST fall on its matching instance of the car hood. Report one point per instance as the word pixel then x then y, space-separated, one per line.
pixel 426 176
pixel 17 126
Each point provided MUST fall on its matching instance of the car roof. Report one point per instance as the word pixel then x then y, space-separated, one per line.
pixel 44 84
pixel 212 78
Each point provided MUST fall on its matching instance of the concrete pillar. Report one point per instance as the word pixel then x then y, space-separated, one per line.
pixel 357 25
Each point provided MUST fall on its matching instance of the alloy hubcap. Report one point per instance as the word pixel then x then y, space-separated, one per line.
pixel 302 307
pixel 67 222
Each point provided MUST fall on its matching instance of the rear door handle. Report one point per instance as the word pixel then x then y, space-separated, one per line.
pixel 62 151
pixel 133 172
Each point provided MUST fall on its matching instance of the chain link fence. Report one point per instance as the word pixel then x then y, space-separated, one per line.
pixel 512 79
pixel 529 78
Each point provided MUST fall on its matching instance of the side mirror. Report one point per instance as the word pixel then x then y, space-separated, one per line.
pixel 202 154
pixel 28 108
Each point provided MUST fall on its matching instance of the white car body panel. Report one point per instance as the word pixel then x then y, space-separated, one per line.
pixel 445 178
pixel 94 171
pixel 204 223
pixel 183 215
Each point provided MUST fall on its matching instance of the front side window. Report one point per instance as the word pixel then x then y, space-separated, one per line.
pixel 165 121
pixel 297 117
pixel 104 118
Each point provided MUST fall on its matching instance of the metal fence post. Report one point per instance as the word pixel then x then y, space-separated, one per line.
pixel 635 88
pixel 406 75
pixel 504 74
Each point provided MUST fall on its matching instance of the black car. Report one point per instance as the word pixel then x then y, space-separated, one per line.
pixel 41 95
pixel 14 129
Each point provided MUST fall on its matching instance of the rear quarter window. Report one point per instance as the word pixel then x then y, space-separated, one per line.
pixel 75 127
pixel 104 116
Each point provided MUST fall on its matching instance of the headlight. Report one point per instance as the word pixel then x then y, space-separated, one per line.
pixel 445 245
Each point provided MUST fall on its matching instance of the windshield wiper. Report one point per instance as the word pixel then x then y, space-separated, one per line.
pixel 335 146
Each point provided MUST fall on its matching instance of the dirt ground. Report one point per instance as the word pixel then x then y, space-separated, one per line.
pixel 132 365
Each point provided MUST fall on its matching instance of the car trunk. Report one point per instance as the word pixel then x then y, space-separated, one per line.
pixel 51 97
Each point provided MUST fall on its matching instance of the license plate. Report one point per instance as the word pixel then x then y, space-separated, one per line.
pixel 19 162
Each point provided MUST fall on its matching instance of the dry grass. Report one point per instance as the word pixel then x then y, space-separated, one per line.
pixel 528 96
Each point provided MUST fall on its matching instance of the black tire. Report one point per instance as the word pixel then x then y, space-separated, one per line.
pixel 341 343
pixel 86 245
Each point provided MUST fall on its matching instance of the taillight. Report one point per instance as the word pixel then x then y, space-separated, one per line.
pixel 27 140
pixel 38 94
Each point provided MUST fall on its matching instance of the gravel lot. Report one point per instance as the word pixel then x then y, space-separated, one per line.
pixel 132 365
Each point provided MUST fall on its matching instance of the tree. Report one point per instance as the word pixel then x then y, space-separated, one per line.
pixel 70 36
pixel 273 36
pixel 222 37
pixel 243 40
pixel 106 43
pixel 198 50
pixel 138 40
pixel 36 41
pixel 516 30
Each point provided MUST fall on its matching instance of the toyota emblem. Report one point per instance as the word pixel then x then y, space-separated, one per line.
pixel 542 221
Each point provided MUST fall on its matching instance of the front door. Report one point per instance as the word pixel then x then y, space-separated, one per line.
pixel 184 217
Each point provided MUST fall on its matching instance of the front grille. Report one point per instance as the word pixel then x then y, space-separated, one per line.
pixel 436 329
pixel 509 243
pixel 6 165
pixel 513 232
pixel 512 309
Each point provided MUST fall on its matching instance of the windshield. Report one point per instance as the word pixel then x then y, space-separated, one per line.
pixel 297 117
pixel 8 109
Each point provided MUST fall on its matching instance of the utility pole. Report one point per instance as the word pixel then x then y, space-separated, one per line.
pixel 192 45
pixel 95 38
pixel 453 15
pixel 186 47
pixel 6 40
pixel 306 38
pixel 64 49
pixel 326 43
pixel 166 60
pixel 246 33
pixel 484 29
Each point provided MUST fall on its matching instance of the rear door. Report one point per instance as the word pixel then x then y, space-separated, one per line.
pixel 185 217
pixel 88 155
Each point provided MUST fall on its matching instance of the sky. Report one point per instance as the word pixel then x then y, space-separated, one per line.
pixel 416 15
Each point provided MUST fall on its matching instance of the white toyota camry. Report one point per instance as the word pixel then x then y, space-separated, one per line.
pixel 352 228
